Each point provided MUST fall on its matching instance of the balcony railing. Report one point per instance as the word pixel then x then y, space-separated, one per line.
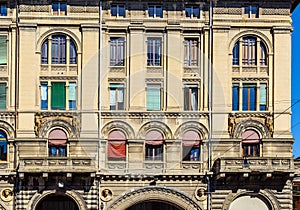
pixel 57 164
pixel 253 164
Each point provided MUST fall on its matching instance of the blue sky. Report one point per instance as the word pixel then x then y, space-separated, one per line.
pixel 295 81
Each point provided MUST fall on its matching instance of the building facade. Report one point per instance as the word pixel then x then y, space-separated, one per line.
pixel 146 105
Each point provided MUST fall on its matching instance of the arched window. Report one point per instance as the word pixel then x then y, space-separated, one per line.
pixel 116 148
pixel 154 146
pixel 190 146
pixel 251 143
pixel 61 46
pixel 3 146
pixel 57 143
pixel 251 48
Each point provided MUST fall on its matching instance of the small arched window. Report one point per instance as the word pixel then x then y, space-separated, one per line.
pixel 190 146
pixel 251 143
pixel 3 146
pixel 60 47
pixel 57 143
pixel 154 146
pixel 251 49
pixel 116 148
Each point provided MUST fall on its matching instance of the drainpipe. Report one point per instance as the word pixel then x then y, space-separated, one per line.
pixel 209 101
pixel 99 98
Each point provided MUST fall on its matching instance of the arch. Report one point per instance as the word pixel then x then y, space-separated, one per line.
pixel 46 127
pixel 63 31
pixel 162 194
pixel 117 125
pixel 264 195
pixel 8 129
pixel 253 33
pixel 155 125
pixel 255 125
pixel 37 198
pixel 191 126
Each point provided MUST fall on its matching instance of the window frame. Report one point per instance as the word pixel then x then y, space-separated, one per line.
pixel 150 89
pixel 192 11
pixel 119 12
pixel 61 8
pixel 251 146
pixel 188 104
pixel 121 138
pixel 3 9
pixel 117 51
pixel 154 151
pixel 4 156
pixel 58 150
pixel 119 106
pixel 157 11
pixel 191 52
pixel 191 146
pixel 154 51
pixel 251 11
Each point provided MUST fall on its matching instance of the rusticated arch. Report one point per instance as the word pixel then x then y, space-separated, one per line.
pixel 255 125
pixel 155 125
pixel 117 125
pixel 191 126
pixel 162 194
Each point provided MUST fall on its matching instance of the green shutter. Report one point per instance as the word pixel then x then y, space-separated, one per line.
pixel 3 50
pixel 58 95
pixel 153 98
pixel 2 95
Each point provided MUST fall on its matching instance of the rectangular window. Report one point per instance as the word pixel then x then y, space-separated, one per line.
pixel 3 10
pixel 117 11
pixel 3 50
pixel 249 51
pixel 116 99
pixel 2 96
pixel 192 11
pixel 153 98
pixel 154 52
pixel 190 52
pixel 235 97
pixel 58 50
pixel 44 95
pixel 190 153
pixel 58 95
pixel 117 51
pixel 57 151
pixel 72 95
pixel 263 97
pixel 249 97
pixel 251 150
pixel 59 8
pixel 251 11
pixel 155 11
pixel 191 97
pixel 154 152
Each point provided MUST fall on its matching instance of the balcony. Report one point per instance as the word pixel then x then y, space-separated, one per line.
pixel 253 165
pixel 57 164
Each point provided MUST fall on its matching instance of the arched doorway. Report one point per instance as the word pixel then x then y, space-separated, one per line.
pixel 248 202
pixel 153 205
pixel 57 202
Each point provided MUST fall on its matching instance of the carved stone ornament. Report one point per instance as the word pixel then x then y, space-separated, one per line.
pixel 106 195
pixel 200 194
pixel 46 120
pixel 6 194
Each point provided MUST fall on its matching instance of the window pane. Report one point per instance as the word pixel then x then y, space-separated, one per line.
pixel 235 54
pixel 153 97
pixel 58 49
pixel 72 95
pixel 44 52
pixel 3 50
pixel 249 51
pixel 190 52
pixel 113 10
pixel 44 95
pixel 235 97
pixel 3 146
pixel 188 11
pixel 263 97
pixel 151 11
pixel 263 52
pixel 116 97
pixel 2 96
pixel 73 54
pixel 191 98
pixel 249 97
pixel 3 10
pixel 154 52
pixel 58 95
pixel 117 51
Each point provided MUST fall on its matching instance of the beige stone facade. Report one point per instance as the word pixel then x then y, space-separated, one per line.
pixel 105 105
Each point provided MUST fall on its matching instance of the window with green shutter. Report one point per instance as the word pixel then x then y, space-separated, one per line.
pixel 3 50
pixel 58 95
pixel 2 95
pixel 153 98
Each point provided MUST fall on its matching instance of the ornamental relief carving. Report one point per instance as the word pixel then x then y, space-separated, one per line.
pixel 45 121
pixel 237 124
